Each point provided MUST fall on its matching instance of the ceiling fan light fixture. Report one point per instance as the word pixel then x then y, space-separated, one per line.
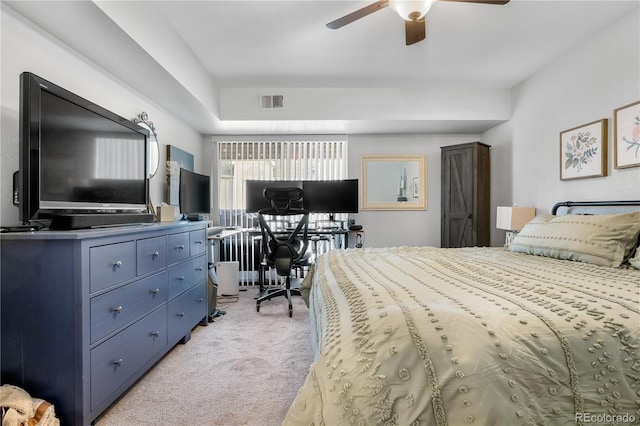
pixel 411 10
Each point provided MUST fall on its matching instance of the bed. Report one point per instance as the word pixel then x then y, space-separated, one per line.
pixel 545 332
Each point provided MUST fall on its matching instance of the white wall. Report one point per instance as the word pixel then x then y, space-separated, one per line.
pixel 584 85
pixel 502 174
pixel 27 48
pixel 370 103
pixel 397 227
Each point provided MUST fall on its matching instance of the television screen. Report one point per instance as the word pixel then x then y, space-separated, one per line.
pixel 331 196
pixel 78 158
pixel 86 159
pixel 195 193
pixel 254 197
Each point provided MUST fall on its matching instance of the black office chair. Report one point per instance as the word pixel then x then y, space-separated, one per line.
pixel 283 250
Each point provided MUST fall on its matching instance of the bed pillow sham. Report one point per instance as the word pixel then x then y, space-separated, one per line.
pixel 606 240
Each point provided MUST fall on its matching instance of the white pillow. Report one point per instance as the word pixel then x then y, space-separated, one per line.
pixel 607 239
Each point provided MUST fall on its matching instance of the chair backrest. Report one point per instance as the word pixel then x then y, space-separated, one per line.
pixel 283 247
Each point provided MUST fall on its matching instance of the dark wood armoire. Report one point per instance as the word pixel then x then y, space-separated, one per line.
pixel 466 183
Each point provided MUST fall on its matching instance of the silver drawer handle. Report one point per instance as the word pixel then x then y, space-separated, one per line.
pixel 199 268
pixel 155 334
pixel 181 314
pixel 117 310
pixel 201 300
pixel 155 291
pixel 118 264
pixel 181 278
pixel 118 362
pixel 180 247
pixel 155 254
pixel 199 242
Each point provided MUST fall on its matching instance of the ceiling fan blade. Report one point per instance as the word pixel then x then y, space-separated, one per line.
pixel 415 31
pixel 500 2
pixel 360 13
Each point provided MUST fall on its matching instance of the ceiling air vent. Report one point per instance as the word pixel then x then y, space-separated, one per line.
pixel 271 102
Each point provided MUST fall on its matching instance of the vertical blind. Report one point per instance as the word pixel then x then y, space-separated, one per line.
pixel 241 160
pixel 118 159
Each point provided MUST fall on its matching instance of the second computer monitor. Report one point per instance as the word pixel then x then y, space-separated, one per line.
pixel 331 196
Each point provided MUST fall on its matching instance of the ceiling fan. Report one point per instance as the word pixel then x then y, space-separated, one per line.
pixel 412 11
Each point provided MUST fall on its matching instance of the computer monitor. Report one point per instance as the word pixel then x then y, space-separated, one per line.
pixel 195 194
pixel 331 196
pixel 254 193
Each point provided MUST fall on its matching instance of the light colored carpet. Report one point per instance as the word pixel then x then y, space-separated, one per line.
pixel 243 369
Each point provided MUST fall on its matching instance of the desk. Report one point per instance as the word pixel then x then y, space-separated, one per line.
pixel 214 236
pixel 245 246
pixel 336 237
pixel 319 233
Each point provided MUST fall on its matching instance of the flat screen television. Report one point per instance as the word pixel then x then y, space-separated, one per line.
pixel 331 196
pixel 254 193
pixel 80 165
pixel 194 194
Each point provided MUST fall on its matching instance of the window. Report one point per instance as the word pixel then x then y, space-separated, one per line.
pixel 239 161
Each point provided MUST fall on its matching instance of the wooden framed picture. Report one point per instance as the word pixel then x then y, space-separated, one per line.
pixel 626 136
pixel 583 151
pixel 393 182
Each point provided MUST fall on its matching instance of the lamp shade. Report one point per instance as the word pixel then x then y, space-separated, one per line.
pixel 514 218
pixel 411 10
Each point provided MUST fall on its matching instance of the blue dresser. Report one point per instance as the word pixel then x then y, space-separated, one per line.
pixel 84 314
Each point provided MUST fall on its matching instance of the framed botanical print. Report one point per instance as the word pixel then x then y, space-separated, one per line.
pixel 583 151
pixel 626 136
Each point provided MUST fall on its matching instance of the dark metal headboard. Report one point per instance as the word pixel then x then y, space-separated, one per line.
pixel 634 205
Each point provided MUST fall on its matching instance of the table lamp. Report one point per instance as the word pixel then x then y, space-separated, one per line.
pixel 513 219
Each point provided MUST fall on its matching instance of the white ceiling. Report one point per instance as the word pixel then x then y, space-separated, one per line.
pixel 187 53
pixel 286 43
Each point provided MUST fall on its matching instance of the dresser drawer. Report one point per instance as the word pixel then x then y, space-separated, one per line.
pixel 111 264
pixel 198 242
pixel 116 360
pixel 177 247
pixel 185 311
pixel 117 308
pixel 151 254
pixel 183 276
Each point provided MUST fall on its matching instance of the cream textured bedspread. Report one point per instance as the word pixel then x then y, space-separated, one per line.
pixel 471 336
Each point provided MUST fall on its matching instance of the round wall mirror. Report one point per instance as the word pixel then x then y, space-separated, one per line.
pixel 154 147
